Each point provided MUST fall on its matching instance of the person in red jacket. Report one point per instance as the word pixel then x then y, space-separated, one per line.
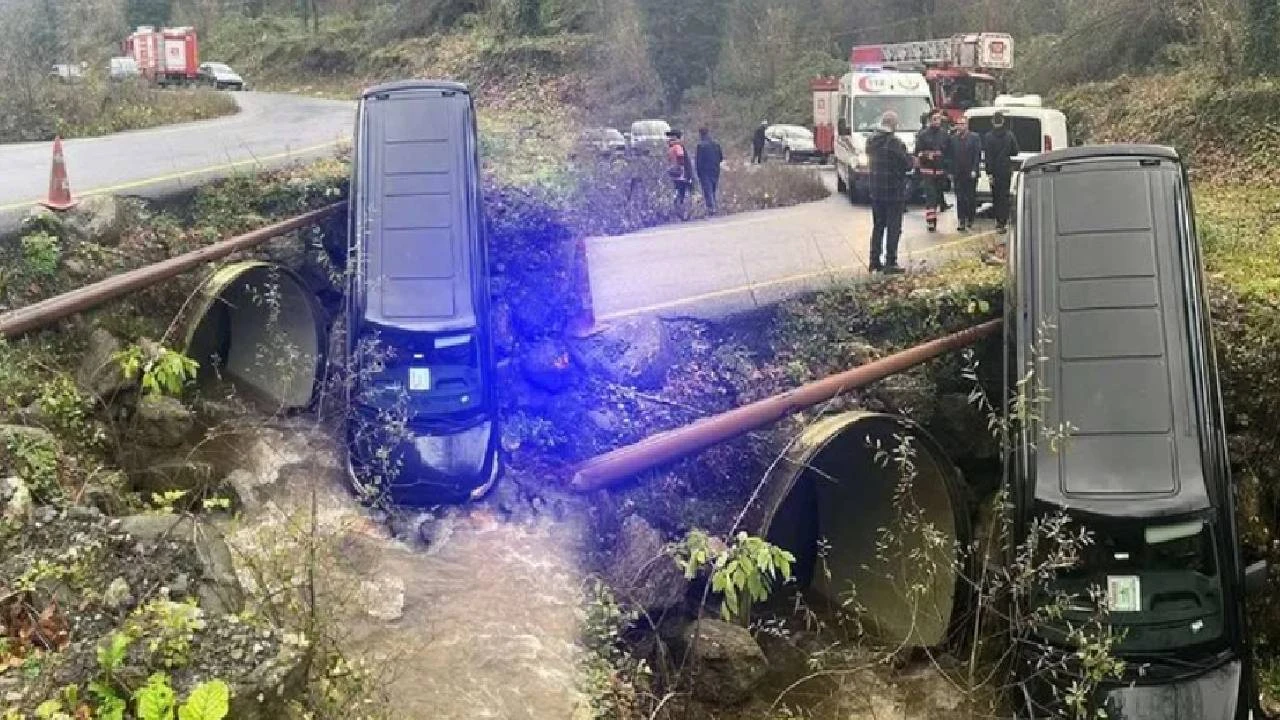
pixel 679 169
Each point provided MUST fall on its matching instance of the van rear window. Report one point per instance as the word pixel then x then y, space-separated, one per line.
pixel 1026 130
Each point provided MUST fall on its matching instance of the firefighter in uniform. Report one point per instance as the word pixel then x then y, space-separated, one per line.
pixel 931 147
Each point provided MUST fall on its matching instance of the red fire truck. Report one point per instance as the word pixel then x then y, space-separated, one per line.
pixel 963 71
pixel 165 56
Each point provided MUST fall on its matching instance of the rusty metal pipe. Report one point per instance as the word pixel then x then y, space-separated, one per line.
pixel 24 319
pixel 616 465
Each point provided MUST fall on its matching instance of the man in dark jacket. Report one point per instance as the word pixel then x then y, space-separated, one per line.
pixel 710 156
pixel 757 142
pixel 931 146
pixel 1000 147
pixel 964 157
pixel 890 163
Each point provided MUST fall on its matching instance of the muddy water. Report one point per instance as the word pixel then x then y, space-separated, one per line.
pixel 481 622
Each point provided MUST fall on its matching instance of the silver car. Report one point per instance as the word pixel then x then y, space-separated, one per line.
pixel 792 143
pixel 220 76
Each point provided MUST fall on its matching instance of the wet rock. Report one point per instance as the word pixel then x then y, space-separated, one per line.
pixel 927 693
pixel 634 352
pixel 217 588
pixel 162 422
pixel 546 365
pixel 641 573
pixel 383 597
pixel 264 693
pixel 117 594
pixel 503 329
pixel 99 374
pixel 726 659
pixel 15 501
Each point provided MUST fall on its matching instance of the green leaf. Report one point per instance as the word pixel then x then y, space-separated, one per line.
pixel 110 705
pixel 155 699
pixel 48 709
pixel 208 701
pixel 111 655
pixel 756 588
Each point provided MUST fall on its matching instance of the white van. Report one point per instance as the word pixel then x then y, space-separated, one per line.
pixel 1036 128
pixel 864 96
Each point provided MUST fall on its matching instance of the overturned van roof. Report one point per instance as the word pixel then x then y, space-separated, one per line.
pixel 1085 152
pixel 399 85
pixel 417 207
pixel 1102 260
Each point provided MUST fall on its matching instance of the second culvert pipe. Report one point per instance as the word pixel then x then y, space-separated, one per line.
pixel 617 465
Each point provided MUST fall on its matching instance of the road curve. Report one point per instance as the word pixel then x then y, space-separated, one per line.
pixel 711 269
pixel 270 130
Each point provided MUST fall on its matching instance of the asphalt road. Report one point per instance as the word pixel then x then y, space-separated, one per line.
pixel 713 268
pixel 270 130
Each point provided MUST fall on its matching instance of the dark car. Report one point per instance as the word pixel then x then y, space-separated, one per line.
pixel 423 423
pixel 1106 311
pixel 220 76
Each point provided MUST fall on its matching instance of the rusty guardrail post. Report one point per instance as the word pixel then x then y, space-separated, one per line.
pixel 24 319
pixel 615 465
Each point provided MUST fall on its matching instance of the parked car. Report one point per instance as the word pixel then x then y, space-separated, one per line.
pixel 648 136
pixel 603 141
pixel 1104 257
pixel 220 76
pixel 790 143
pixel 123 68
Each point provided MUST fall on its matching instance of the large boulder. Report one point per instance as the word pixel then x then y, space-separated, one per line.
pixel 546 365
pixel 727 662
pixel 99 219
pixel 641 572
pixel 635 352
pixel 217 588
pixel 99 374
pixel 162 422
pixel 15 501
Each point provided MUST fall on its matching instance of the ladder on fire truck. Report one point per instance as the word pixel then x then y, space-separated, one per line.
pixel 973 51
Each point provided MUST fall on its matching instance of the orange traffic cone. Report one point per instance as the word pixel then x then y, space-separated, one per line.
pixel 59 187
pixel 584 320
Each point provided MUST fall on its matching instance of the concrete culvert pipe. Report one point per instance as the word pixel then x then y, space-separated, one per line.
pixel 256 325
pixel 838 493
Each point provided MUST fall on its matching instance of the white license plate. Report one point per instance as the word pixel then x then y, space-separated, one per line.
pixel 1124 593
pixel 419 378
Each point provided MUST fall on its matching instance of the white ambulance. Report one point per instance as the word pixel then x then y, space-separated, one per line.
pixel 864 96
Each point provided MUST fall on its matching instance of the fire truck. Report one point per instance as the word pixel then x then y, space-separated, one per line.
pixel 165 56
pixel 962 71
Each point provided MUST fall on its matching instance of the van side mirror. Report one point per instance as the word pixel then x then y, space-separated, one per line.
pixel 1255 577
pixel 842 127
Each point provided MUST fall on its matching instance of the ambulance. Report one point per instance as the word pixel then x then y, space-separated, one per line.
pixel 864 96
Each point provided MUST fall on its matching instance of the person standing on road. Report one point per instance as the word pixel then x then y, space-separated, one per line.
pixel 890 163
pixel 964 156
pixel 679 169
pixel 931 147
pixel 1000 147
pixel 710 157
pixel 757 143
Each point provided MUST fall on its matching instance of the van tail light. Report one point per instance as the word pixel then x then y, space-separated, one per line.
pixel 1048 143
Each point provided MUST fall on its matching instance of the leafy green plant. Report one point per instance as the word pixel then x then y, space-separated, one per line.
pixel 36 461
pixel 41 253
pixel 743 572
pixel 162 371
pixel 155 700
pixel 167 628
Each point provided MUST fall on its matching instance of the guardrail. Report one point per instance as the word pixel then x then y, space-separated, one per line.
pixel 45 312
